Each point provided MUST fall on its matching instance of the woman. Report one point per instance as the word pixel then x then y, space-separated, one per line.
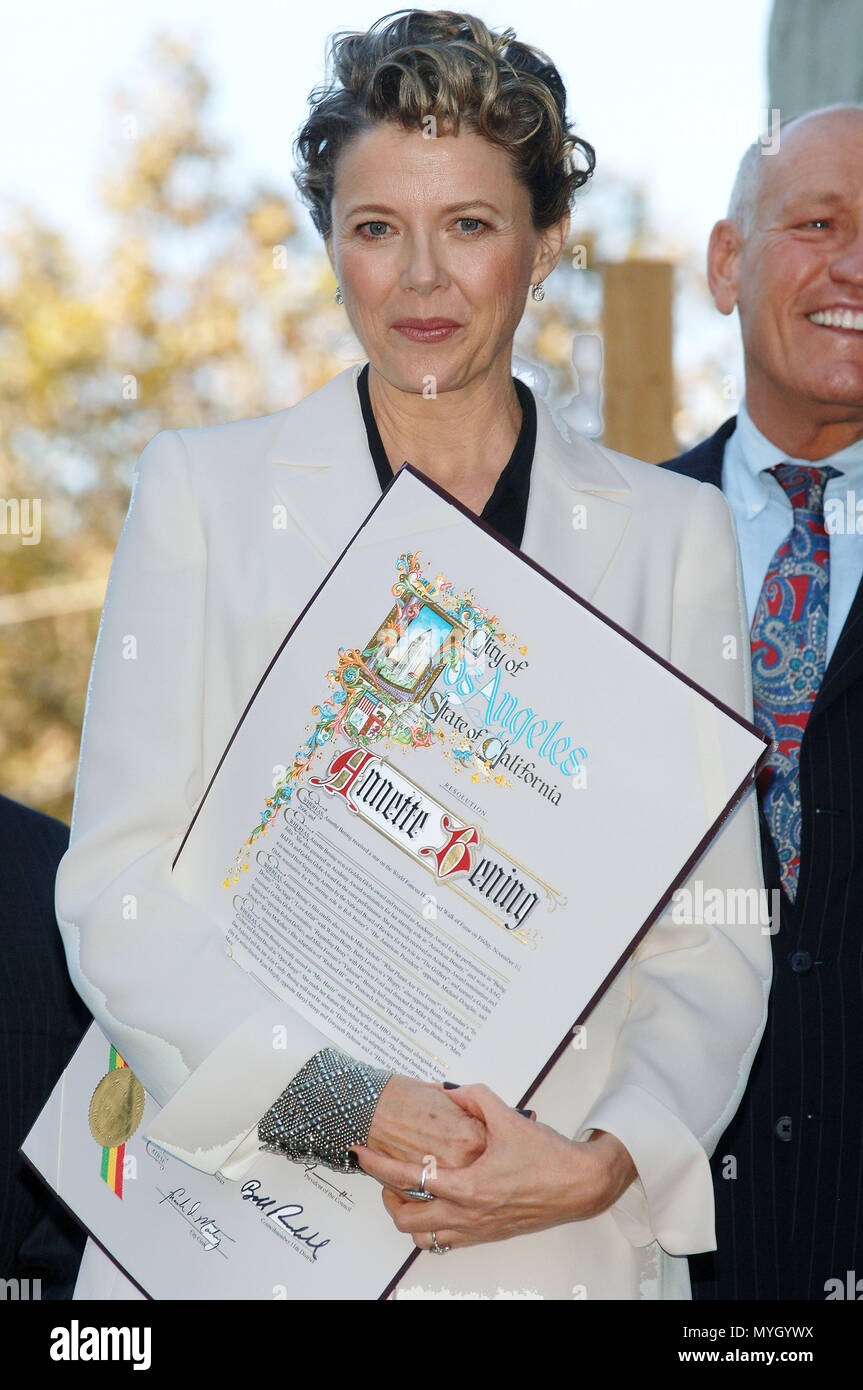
pixel 439 169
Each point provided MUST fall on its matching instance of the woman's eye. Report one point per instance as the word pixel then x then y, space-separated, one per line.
pixel 376 231
pixel 817 222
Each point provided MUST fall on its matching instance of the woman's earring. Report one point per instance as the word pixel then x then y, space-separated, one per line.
pixel 537 291
pixel 338 296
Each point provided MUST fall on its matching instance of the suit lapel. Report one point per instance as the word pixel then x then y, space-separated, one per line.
pixel 704 462
pixel 323 474
pixel 846 663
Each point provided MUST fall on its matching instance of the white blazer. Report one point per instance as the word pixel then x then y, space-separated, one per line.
pixel 202 590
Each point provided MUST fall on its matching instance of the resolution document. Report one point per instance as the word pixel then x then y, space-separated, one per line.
pixel 412 839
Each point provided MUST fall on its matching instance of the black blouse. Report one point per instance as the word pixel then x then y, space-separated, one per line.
pixel 506 509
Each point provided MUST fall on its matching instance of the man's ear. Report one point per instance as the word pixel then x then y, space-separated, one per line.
pixel 723 264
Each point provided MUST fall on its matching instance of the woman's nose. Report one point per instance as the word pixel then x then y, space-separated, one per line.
pixel 423 269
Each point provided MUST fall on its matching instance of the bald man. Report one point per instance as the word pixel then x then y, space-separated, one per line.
pixel 788 1172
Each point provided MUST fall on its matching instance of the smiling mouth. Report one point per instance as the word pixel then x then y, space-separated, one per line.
pixel 838 318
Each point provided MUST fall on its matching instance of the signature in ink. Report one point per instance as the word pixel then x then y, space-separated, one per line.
pixel 284 1215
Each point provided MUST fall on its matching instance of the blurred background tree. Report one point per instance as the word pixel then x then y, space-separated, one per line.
pixel 205 309
pixel 209 305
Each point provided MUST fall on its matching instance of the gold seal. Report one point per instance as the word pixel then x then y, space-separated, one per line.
pixel 116 1108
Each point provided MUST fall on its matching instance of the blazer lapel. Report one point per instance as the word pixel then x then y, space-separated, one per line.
pixel 323 474
pixel 577 510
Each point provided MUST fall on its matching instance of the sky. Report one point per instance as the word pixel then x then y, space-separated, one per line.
pixel 669 93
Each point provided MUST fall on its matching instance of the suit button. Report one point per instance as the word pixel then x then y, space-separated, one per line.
pixel 801 961
pixel 782 1128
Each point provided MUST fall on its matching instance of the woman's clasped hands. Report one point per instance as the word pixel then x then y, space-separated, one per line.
pixel 492 1172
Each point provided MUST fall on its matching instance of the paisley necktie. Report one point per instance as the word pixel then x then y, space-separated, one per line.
pixel 789 643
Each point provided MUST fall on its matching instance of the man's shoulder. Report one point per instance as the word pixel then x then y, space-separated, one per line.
pixel 704 462
pixel 22 826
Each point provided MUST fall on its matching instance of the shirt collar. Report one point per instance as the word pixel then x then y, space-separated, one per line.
pixel 506 508
pixel 755 453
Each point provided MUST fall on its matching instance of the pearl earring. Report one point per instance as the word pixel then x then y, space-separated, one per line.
pixel 537 291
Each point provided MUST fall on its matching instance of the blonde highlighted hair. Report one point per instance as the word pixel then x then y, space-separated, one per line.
pixel 415 64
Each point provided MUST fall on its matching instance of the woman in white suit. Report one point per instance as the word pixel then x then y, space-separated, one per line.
pixel 439 169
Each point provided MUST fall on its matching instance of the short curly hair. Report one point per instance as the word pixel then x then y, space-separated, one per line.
pixel 413 64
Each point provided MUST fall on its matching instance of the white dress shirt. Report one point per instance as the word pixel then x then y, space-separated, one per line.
pixel 764 516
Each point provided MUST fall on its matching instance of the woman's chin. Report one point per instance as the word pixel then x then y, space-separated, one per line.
pixel 421 369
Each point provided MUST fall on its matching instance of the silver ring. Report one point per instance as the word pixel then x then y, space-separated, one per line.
pixel 419 1193
pixel 438 1249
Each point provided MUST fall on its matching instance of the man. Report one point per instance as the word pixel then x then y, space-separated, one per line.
pixel 788 1172
pixel 41 1023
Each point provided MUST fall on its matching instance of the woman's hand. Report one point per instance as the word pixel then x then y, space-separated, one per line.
pixel 528 1177
pixel 414 1120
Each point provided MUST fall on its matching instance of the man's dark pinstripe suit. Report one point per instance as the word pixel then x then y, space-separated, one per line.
pixel 41 1022
pixel 793 1216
